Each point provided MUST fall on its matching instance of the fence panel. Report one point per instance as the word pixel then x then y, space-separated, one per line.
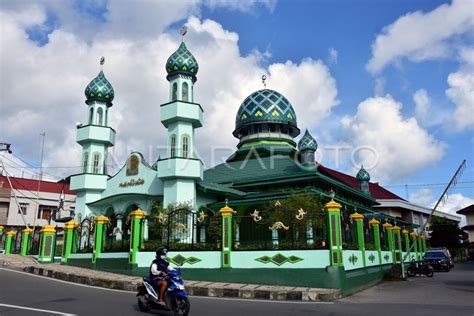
pixel 117 234
pixel 86 236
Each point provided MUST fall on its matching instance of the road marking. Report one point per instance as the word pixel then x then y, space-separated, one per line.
pixel 37 309
pixel 67 282
pixel 194 297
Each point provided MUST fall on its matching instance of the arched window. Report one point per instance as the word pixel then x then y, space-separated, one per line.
pixel 173 146
pixel 96 163
pixel 185 146
pixel 85 162
pixel 184 91
pixel 100 116
pixel 91 115
pixel 174 93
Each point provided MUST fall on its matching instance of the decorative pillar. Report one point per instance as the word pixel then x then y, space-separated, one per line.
pixel 397 244
pixel 25 241
pixel 47 244
pixel 389 234
pixel 420 248
pixel 99 236
pixel 359 218
pixel 68 241
pixel 226 213
pixel 135 235
pixel 406 240
pixel 423 243
pixel 415 246
pixel 375 225
pixel 333 210
pixel 8 241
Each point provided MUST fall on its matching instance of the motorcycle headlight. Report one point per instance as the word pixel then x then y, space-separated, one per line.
pixel 181 287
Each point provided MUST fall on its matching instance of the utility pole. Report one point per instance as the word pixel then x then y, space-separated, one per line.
pixel 40 177
pixel 443 196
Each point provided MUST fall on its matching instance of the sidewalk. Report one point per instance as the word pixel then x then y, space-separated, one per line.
pixel 195 288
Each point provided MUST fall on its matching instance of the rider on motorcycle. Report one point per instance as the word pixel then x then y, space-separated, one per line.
pixel 158 269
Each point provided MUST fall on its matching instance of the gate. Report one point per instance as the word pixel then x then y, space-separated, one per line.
pixel 33 247
pixel 85 242
pixel 117 234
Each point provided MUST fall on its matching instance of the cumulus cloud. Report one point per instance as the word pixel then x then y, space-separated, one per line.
pixel 461 91
pixel 454 203
pixel 421 36
pixel 241 5
pixel 423 197
pixel 422 104
pixel 395 147
pixel 332 55
pixel 42 86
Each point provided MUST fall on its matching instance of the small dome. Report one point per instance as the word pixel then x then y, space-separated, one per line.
pixel 182 62
pixel 307 142
pixel 100 89
pixel 264 106
pixel 363 175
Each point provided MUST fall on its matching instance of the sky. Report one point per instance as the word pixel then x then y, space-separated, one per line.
pixel 387 84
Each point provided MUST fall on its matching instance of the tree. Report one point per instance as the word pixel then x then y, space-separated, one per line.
pixel 444 233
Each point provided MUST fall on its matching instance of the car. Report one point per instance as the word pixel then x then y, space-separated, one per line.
pixel 439 259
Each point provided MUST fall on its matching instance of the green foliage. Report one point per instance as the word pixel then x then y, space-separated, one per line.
pixel 444 233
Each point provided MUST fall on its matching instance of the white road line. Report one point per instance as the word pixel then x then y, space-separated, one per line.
pixel 67 282
pixel 37 310
pixel 193 297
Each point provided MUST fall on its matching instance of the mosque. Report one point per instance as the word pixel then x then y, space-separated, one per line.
pixel 267 163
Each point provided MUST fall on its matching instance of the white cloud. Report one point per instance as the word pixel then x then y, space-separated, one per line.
pixel 42 87
pixel 332 55
pixel 398 145
pixel 423 197
pixel 454 203
pixel 379 89
pixel 422 36
pixel 461 92
pixel 422 104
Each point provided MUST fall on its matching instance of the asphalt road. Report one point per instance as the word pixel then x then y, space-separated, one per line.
pixel 445 294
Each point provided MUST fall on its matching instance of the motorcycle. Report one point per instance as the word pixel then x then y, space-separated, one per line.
pixel 176 298
pixel 422 268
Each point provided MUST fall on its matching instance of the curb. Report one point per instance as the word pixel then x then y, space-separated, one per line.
pixel 202 288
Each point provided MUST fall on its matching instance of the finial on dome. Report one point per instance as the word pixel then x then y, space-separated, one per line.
pixel 264 79
pixel 183 32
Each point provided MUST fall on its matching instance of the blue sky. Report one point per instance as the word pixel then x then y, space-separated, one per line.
pixel 66 38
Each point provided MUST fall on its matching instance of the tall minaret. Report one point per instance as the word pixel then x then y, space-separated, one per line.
pixel 181 116
pixel 95 137
pixel 307 146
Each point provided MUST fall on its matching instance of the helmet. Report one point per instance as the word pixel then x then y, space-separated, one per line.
pixel 161 251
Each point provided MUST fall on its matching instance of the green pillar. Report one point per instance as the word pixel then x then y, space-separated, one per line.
pixel 375 224
pixel 68 241
pixel 25 241
pixel 100 221
pixel 388 232
pixel 423 243
pixel 135 222
pixel 8 241
pixel 46 251
pixel 333 210
pixel 226 213
pixel 406 240
pixel 420 248
pixel 397 244
pixel 415 246
pixel 359 218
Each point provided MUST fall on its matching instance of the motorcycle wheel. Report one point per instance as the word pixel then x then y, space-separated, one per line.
pixel 144 308
pixel 429 273
pixel 181 306
pixel 411 272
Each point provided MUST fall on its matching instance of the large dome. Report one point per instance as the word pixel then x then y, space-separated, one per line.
pixel 265 106
pixel 182 62
pixel 100 89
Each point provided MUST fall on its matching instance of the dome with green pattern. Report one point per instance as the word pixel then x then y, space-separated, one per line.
pixel 363 175
pixel 307 142
pixel 100 89
pixel 266 106
pixel 182 62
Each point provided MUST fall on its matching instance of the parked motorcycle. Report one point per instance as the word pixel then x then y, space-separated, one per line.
pixel 176 298
pixel 420 268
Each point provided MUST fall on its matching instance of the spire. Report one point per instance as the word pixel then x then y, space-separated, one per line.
pixel 100 89
pixel 307 142
pixel 363 177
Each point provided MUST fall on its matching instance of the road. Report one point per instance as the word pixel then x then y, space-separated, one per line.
pixel 445 294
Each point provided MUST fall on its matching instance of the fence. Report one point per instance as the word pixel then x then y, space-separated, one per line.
pixel 117 234
pixel 85 242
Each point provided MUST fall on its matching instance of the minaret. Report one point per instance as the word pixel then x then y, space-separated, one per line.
pixel 181 116
pixel 363 177
pixel 95 137
pixel 307 147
